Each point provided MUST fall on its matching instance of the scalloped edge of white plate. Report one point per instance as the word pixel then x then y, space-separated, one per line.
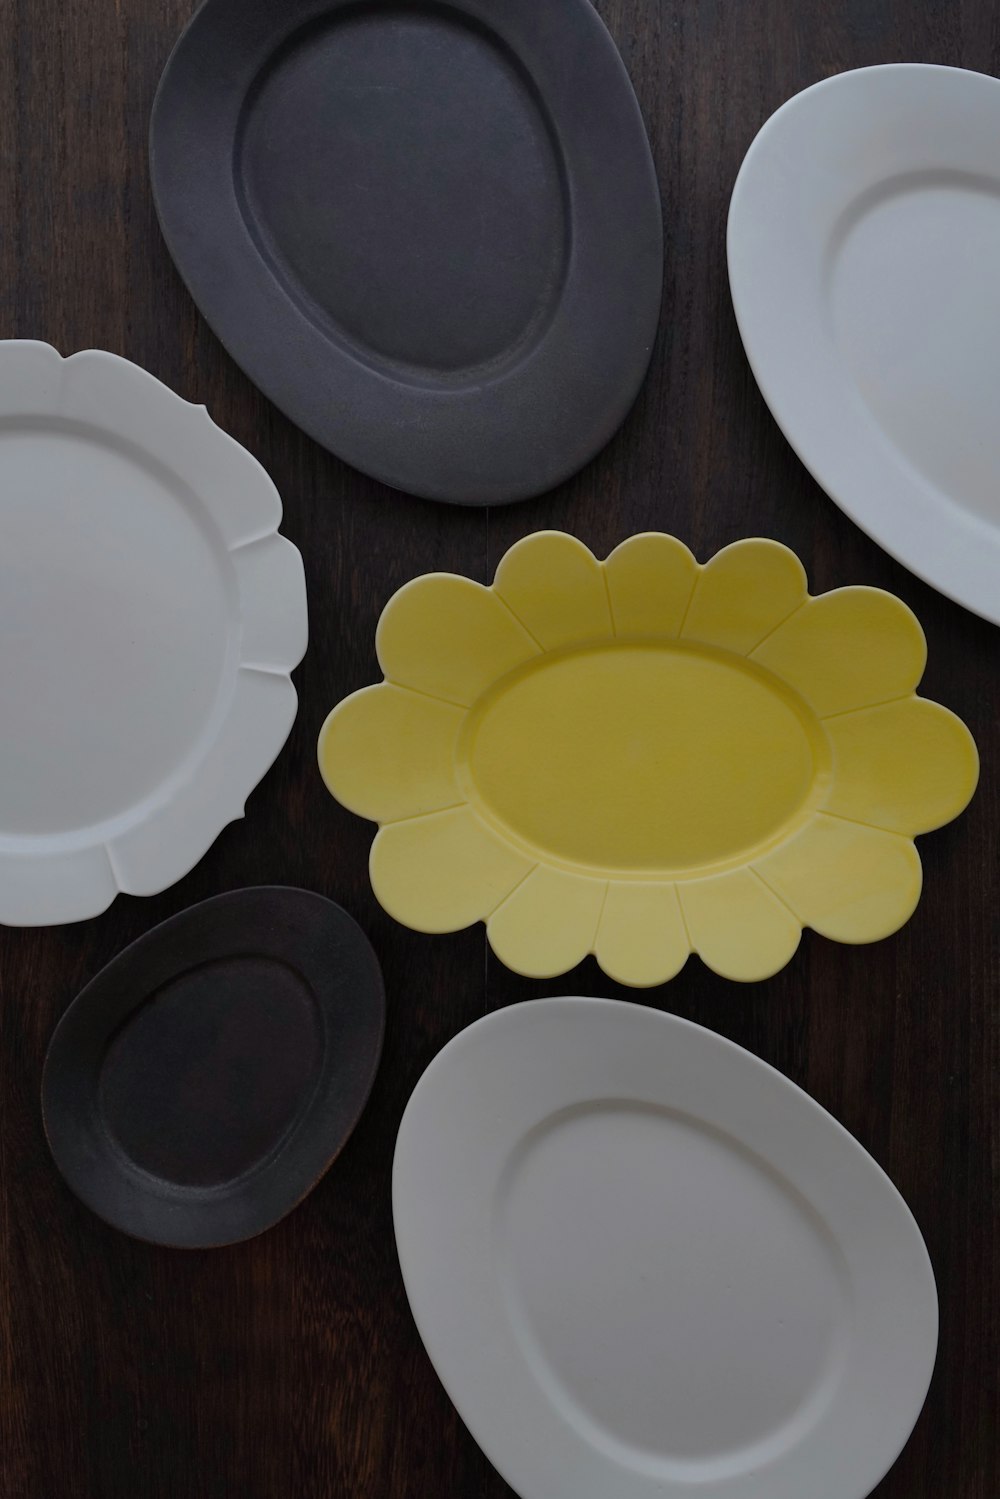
pixel 53 878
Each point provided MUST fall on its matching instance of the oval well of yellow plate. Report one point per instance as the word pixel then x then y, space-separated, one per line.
pixel 638 757
pixel 646 757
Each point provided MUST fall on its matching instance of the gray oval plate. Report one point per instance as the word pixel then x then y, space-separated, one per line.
pixel 200 1085
pixel 430 233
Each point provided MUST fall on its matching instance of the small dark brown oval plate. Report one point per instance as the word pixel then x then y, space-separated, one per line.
pixel 201 1084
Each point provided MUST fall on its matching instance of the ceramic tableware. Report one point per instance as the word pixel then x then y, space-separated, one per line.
pixel 150 616
pixel 645 1264
pixel 431 234
pixel 646 757
pixel 201 1084
pixel 864 240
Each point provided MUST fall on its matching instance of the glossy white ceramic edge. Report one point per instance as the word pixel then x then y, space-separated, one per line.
pixel 852 463
pixel 509 1458
pixel 62 884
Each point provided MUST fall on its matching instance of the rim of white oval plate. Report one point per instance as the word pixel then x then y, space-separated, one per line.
pixel 820 413
pixel 226 521
pixel 455 1196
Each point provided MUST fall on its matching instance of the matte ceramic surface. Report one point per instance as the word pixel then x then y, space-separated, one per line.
pixel 150 616
pixel 201 1084
pixel 645 1264
pixel 430 233
pixel 864 240
pixel 646 757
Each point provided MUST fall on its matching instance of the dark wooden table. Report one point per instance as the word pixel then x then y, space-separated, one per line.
pixel 289 1366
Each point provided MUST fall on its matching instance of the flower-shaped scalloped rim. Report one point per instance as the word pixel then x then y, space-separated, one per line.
pixel 63 880
pixel 899 765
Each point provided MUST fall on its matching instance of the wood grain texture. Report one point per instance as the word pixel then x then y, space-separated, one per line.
pixel 290 1365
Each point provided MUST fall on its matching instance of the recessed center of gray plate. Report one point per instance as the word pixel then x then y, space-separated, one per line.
pixel 397 169
pixel 675 1294
pixel 208 1075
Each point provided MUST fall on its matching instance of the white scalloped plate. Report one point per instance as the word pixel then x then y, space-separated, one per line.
pixel 150 617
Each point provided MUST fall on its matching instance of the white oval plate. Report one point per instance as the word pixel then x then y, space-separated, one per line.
pixel 864 247
pixel 645 1264
pixel 150 616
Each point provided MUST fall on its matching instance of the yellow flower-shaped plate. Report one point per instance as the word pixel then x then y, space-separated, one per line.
pixel 645 757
